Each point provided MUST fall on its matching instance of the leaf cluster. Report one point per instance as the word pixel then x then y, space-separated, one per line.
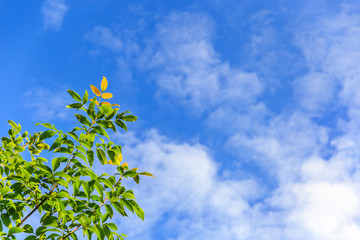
pixel 65 190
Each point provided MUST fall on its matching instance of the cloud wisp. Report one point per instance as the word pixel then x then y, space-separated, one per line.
pixel 53 13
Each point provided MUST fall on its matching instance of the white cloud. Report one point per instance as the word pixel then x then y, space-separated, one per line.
pixel 315 92
pixel 104 37
pixel 197 202
pixel 191 71
pixel 53 12
pixel 46 104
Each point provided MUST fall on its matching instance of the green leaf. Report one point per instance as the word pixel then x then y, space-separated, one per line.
pixel 106 124
pixel 56 143
pixel 147 174
pixel 106 182
pixel 130 174
pixel 101 155
pixel 129 118
pixel 15 230
pixel 86 189
pixel 13 125
pixel 73 135
pixel 99 189
pixel 62 150
pixel 55 163
pixel 28 228
pixel 76 186
pixel 121 124
pixel 46 134
pixel 138 210
pixel 100 130
pixel 90 156
pixel 47 125
pixel 128 195
pixel 74 95
pixel 75 105
pixel 80 155
pixel 119 208
pixel 85 97
pixel 5 219
pixel 83 120
pixel 112 226
pixel 127 204
pixel 31 237
pixel 44 167
pixel 137 179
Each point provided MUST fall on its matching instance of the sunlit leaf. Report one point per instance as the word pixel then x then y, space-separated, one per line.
pixel 107 95
pixel 95 90
pixel 104 84
pixel 147 174
pixel 106 103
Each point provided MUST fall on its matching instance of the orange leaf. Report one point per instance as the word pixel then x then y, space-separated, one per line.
pixel 104 84
pixel 107 95
pixel 106 103
pixel 125 164
pixel 115 105
pixel 95 90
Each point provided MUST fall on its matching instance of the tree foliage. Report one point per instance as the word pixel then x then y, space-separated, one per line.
pixel 64 189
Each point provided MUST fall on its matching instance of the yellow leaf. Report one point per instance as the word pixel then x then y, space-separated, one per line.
pixel 95 90
pixel 107 95
pixel 117 105
pixel 104 84
pixel 120 158
pixel 106 103
pixel 134 169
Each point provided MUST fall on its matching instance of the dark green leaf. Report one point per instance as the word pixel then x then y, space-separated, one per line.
pixel 74 95
pixel 5 219
pixel 75 105
pixel 101 155
pixel 46 134
pixel 90 156
pixel 83 120
pixel 100 130
pixel 73 135
pixel 129 118
pixel 31 237
pixel 121 124
pixel 56 143
pixel 85 97
pixel 137 179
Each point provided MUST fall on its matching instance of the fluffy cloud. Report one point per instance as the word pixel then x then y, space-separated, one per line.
pixel 191 71
pixel 189 193
pixel 53 12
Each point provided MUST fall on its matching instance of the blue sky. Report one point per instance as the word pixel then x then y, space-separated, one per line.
pixel 249 111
